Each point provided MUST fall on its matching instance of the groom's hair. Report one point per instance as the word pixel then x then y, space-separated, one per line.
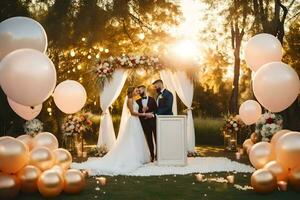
pixel 158 81
pixel 142 86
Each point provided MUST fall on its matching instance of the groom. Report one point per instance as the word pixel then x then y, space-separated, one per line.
pixel 164 99
pixel 148 105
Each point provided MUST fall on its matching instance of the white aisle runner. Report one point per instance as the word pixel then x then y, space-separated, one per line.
pixel 195 165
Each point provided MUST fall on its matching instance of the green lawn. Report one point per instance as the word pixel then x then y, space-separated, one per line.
pixel 169 187
pixel 180 187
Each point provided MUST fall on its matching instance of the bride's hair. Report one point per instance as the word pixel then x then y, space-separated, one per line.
pixel 130 92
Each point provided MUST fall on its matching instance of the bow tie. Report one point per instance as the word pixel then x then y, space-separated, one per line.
pixel 144 97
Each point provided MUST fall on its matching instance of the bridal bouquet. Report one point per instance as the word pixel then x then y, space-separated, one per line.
pixel 33 127
pixel 76 124
pixel 267 125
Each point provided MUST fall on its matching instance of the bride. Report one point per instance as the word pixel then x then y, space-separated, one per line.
pixel 130 150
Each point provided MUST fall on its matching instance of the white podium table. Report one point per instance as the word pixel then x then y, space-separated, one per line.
pixel 171 140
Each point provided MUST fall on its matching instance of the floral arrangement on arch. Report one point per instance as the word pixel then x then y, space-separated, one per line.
pixel 33 127
pixel 76 124
pixel 106 67
pixel 268 124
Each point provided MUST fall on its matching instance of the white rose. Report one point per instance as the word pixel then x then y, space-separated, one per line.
pixel 234 125
pixel 231 122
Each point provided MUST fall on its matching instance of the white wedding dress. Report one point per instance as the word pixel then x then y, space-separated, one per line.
pixel 129 152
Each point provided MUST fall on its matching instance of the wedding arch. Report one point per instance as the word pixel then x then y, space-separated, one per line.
pixel 111 76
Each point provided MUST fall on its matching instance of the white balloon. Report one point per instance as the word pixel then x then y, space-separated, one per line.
pixel 250 112
pixel 27 76
pixel 276 86
pixel 21 32
pixel 69 96
pixel 26 112
pixel 261 49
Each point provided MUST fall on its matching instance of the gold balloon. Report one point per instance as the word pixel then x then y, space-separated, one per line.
pixel 294 178
pixel 50 184
pixel 263 181
pixel 29 176
pixel 260 154
pixel 247 143
pixel 59 170
pixel 278 170
pixel 275 138
pixel 9 186
pixel 254 138
pixel 42 158
pixel 45 139
pixel 13 155
pixel 74 181
pixel 62 158
pixel 26 139
pixel 288 150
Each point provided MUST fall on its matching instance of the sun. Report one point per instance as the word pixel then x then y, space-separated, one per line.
pixel 186 49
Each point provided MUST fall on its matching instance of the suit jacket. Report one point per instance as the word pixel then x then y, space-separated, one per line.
pixel 152 107
pixel 165 103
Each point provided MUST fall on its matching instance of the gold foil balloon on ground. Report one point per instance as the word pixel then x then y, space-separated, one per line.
pixel 294 178
pixel 59 170
pixel 247 144
pixel 74 181
pixel 260 154
pixel 42 158
pixel 263 181
pixel 275 138
pixel 9 186
pixel 26 139
pixel 278 170
pixel 45 139
pixel 50 184
pixel 63 158
pixel 288 150
pixel 29 176
pixel 254 138
pixel 13 155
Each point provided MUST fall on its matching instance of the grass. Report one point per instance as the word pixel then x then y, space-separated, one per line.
pixel 180 187
pixel 207 131
pixel 168 188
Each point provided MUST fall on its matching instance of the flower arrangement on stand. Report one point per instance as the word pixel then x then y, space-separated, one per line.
pixel 33 127
pixel 232 126
pixel 73 127
pixel 268 125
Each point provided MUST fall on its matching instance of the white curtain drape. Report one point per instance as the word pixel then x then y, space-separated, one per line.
pixel 185 90
pixel 110 93
pixel 166 77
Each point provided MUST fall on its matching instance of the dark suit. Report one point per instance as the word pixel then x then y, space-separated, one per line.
pixel 149 125
pixel 165 103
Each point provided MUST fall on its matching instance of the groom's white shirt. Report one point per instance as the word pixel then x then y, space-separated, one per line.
pixel 160 96
pixel 145 102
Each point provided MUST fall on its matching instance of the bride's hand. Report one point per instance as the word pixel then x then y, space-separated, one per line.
pixel 149 115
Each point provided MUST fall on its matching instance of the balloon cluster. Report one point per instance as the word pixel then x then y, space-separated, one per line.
pixel 271 78
pixel 275 161
pixel 36 164
pixel 276 86
pixel 27 76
